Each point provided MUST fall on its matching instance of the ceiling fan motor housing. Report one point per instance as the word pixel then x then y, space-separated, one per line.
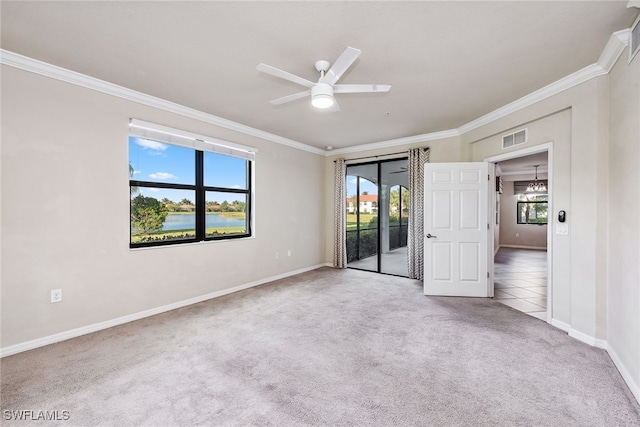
pixel 322 66
pixel 322 95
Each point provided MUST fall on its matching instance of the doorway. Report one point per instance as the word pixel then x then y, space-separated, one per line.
pixel 523 231
pixel 378 216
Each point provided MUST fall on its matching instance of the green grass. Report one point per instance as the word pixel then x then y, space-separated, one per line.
pixel 365 218
pixel 184 234
pixel 226 230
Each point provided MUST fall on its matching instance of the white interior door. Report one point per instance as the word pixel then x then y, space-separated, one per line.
pixel 456 229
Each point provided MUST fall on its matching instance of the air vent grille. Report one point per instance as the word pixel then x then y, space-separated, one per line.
pixel 634 39
pixel 516 138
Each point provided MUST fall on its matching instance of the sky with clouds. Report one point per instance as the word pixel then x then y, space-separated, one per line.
pixel 158 162
pixel 365 185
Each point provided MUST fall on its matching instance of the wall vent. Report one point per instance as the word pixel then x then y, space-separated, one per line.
pixel 516 138
pixel 634 39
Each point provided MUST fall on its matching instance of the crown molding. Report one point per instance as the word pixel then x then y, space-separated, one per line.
pixel 395 142
pixel 614 48
pixel 610 54
pixel 48 70
pixel 554 88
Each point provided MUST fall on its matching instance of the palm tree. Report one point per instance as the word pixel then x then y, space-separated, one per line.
pixel 133 190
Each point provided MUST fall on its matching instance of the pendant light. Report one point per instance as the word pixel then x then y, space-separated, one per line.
pixel 536 186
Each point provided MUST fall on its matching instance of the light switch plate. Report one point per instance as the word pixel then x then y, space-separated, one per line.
pixel 562 228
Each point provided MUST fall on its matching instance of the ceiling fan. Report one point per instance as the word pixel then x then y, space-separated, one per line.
pixel 403 169
pixel 322 92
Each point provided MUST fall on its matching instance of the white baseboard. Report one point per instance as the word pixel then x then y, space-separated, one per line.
pixel 73 333
pixel 580 336
pixel 537 248
pixel 633 386
pixel 561 325
pixel 588 339
pixel 603 344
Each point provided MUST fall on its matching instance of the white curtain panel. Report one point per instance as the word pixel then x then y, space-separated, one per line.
pixel 415 239
pixel 340 216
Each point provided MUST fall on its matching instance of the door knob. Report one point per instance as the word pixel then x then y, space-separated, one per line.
pixel 429 236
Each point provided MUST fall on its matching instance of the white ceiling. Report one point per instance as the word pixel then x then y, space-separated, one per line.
pixel 525 165
pixel 448 62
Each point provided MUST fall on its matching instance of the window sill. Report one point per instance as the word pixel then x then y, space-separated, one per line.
pixel 203 242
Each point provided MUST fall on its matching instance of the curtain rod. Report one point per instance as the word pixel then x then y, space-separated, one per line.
pixel 381 155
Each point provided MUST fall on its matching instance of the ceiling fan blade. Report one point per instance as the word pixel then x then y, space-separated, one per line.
pixel 283 75
pixel 335 107
pixel 289 98
pixel 341 65
pixel 361 88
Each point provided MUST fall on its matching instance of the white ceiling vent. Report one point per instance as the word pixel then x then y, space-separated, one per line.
pixel 634 39
pixel 516 138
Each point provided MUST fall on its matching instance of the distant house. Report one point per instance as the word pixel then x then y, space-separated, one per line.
pixel 368 203
pixel 187 208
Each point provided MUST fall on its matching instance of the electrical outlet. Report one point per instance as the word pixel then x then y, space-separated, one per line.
pixel 56 295
pixel 277 255
pixel 517 234
pixel 289 252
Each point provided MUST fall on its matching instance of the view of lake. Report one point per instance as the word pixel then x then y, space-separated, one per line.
pixel 188 221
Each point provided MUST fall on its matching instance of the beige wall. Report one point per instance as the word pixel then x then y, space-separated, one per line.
pixel 571 122
pixel 64 209
pixel 594 129
pixel 575 123
pixel 65 213
pixel 623 332
pixel 512 233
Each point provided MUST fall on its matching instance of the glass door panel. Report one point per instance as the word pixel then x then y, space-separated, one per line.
pixel 378 216
pixel 394 212
pixel 362 217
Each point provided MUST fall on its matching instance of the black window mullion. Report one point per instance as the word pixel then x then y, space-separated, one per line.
pixel 151 184
pixel 200 194
pixel 200 197
pixel 379 231
pixel 226 190
pixel 248 206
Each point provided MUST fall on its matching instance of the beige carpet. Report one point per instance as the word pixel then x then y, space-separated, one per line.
pixel 328 347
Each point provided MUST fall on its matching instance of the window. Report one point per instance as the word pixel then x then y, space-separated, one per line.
pixel 186 188
pixel 532 209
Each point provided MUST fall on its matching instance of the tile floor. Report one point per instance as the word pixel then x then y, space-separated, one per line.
pixel 520 280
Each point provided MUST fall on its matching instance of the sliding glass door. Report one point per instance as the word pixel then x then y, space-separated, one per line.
pixel 377 216
pixel 362 216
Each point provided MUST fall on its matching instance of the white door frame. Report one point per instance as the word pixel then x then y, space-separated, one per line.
pixel 548 147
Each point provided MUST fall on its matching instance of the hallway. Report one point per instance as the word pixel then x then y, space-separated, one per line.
pixel 520 280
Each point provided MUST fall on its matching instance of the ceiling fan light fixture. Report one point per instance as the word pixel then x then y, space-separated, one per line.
pixel 322 101
pixel 322 95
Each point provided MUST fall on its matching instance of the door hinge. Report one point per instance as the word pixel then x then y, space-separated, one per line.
pixel 488 177
pixel 487 226
pixel 487 274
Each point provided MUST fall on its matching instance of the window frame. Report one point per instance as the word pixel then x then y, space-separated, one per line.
pixel 518 202
pixel 198 187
